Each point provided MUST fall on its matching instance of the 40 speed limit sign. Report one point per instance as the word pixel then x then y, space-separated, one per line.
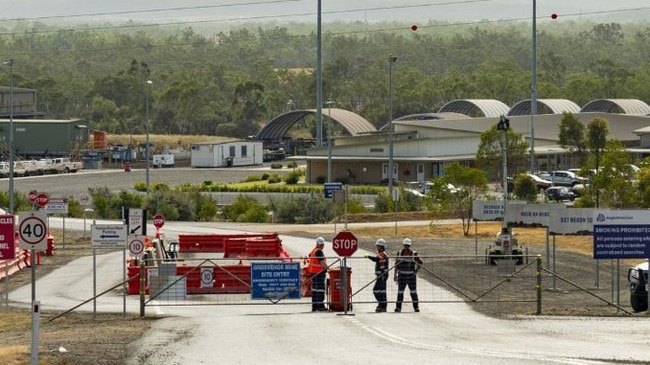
pixel 32 230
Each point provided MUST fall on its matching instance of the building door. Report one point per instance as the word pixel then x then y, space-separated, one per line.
pixel 384 171
pixel 419 172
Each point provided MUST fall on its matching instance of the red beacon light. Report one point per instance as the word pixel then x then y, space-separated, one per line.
pixel 554 16
pixel 414 27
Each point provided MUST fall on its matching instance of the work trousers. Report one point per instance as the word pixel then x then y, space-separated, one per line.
pixel 318 291
pixel 404 280
pixel 379 290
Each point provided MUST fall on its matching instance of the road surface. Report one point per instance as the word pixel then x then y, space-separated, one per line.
pixel 449 333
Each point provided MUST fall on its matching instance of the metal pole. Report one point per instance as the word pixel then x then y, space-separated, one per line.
pixel 533 91
pixel 329 140
pixel 319 78
pixel 391 59
pixel 505 178
pixel 146 129
pixel 10 63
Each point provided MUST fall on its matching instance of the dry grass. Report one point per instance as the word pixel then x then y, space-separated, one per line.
pixel 162 141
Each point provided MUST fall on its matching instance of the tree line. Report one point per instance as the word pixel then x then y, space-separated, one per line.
pixel 229 83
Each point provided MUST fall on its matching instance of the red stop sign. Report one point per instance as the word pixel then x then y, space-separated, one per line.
pixel 41 200
pixel 32 196
pixel 158 220
pixel 345 243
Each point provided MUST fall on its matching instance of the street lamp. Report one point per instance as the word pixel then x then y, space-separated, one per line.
pixel 391 60
pixel 329 104
pixel 533 91
pixel 504 125
pixel 146 128
pixel 319 77
pixel 10 63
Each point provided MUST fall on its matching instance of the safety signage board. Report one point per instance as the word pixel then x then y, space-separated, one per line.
pixel 108 235
pixel 621 234
pixel 57 206
pixel 207 277
pixel 275 280
pixel 136 222
pixel 84 199
pixel 329 188
pixel 32 230
pixel 136 246
pixel 7 237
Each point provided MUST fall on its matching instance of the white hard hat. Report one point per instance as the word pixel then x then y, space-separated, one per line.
pixel 320 241
pixel 381 243
pixel 407 242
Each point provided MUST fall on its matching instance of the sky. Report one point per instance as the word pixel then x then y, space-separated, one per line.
pixel 234 11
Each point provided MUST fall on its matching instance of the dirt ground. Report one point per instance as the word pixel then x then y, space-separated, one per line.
pixel 106 338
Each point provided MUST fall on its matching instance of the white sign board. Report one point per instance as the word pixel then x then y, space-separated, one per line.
pixel 108 235
pixel 136 246
pixel 136 221
pixel 32 230
pixel 572 221
pixel 538 215
pixel 57 206
pixel 490 210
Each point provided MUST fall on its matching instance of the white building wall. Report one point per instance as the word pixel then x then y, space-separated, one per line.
pixel 243 153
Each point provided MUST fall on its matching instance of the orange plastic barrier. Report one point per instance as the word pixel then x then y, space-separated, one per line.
pixel 214 242
pixel 21 259
pixel 335 289
pixel 305 282
pixel 133 274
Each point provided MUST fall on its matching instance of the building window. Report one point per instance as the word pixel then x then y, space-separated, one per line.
pixel 376 150
pixel 232 151
pixel 244 153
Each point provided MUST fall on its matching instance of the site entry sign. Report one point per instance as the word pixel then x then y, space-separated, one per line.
pixel 621 234
pixel 275 280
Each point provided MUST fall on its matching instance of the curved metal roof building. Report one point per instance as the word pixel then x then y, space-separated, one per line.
pixel 617 106
pixel 476 107
pixel 351 122
pixel 545 106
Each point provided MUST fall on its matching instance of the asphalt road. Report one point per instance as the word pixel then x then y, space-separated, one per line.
pixel 444 333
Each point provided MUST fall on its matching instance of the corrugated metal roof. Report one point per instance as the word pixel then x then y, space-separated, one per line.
pixel 353 123
pixel 476 107
pixel 617 106
pixel 545 106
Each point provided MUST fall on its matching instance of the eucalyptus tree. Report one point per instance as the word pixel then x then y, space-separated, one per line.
pixel 572 137
pixel 489 155
pixel 597 133
pixel 615 177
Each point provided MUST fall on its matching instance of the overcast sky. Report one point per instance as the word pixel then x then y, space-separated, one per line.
pixel 233 11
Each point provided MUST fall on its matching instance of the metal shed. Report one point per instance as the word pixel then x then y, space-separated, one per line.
pixel 42 137
pixel 226 154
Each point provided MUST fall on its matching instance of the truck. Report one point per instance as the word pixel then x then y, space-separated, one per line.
pixel 564 178
pixel 506 246
pixel 65 165
pixel 637 276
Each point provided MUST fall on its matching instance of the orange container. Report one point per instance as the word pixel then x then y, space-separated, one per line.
pixel 99 140
pixel 336 290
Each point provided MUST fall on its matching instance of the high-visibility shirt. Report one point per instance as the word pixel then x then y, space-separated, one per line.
pixel 316 259
pixel 406 261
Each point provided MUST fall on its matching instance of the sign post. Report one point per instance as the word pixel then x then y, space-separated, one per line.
pixel 32 234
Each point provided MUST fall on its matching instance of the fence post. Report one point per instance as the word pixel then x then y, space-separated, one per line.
pixel 143 277
pixel 538 286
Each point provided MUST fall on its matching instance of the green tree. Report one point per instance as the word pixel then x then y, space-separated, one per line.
pixel 597 132
pixel 572 136
pixel 490 151
pixel 525 188
pixel 615 176
pixel 470 183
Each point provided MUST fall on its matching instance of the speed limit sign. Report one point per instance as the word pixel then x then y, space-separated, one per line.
pixel 32 230
pixel 136 246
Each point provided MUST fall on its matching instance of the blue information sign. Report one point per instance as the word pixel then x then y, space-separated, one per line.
pixel 621 234
pixel 329 189
pixel 275 280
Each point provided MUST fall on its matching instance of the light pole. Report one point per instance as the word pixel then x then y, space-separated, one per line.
pixel 146 130
pixel 319 77
pixel 391 60
pixel 504 125
pixel 10 63
pixel 329 104
pixel 533 91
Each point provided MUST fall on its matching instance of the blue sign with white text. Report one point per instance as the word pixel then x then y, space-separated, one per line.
pixel 275 280
pixel 620 234
pixel 329 188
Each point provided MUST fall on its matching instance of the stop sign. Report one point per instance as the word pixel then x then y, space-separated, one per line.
pixel 345 243
pixel 158 220
pixel 32 196
pixel 41 200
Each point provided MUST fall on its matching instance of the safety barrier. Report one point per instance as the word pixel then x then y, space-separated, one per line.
pixel 225 279
pixel 215 243
pixel 22 259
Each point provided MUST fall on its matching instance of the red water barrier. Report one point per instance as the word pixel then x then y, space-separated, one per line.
pixel 193 243
pixel 21 260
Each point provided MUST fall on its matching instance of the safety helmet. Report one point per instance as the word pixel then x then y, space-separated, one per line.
pixel 407 242
pixel 320 241
pixel 381 243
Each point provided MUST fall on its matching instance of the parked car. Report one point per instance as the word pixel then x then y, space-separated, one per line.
pixel 560 193
pixel 564 178
pixel 638 278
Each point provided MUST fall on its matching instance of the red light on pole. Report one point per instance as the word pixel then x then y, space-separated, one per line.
pixel 414 27
pixel 554 16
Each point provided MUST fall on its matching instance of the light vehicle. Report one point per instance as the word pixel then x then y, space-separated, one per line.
pixel 564 178
pixel 540 183
pixel 638 278
pixel 64 164
pixel 560 193
pixel 506 246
